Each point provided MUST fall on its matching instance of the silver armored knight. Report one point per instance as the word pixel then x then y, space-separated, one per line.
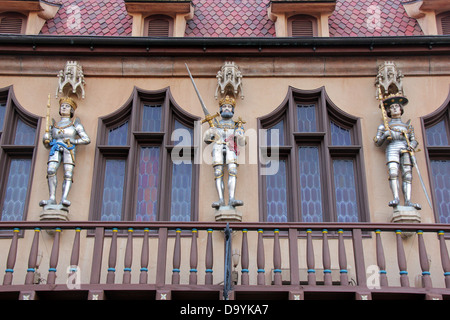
pixel 62 138
pixel 401 143
pixel 226 135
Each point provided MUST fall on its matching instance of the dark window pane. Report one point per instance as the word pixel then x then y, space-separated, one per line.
pixel 437 135
pixel 147 197
pixel 340 136
pixel 113 190
pixel 151 118
pixel 306 118
pixel 441 179
pixel 16 190
pixel 182 136
pixel 345 189
pixel 276 189
pixel 310 184
pixel 278 128
pixel 118 136
pixel 25 134
pixel 2 114
pixel 181 192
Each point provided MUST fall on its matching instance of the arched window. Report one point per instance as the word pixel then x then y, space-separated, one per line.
pixel 302 26
pixel 144 162
pixel 437 147
pixel 12 23
pixel 18 140
pixel 443 23
pixel 311 162
pixel 158 26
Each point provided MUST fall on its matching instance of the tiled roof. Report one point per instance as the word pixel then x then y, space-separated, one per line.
pixel 230 18
pixel 233 18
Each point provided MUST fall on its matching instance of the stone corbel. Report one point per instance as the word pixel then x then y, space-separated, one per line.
pixel 36 20
pixel 425 18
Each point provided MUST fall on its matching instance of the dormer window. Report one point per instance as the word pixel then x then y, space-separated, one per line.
pixel 443 23
pixel 302 26
pixel 158 26
pixel 12 23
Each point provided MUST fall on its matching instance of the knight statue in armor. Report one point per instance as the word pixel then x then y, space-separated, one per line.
pixel 226 135
pixel 62 138
pixel 401 144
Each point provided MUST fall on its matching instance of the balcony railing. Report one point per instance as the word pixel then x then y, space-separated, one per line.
pixel 171 260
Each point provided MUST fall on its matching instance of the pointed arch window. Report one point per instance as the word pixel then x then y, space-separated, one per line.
pixel 18 140
pixel 316 162
pixel 145 164
pixel 437 147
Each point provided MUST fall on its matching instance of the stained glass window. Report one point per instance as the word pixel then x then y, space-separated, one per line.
pixel 310 184
pixel 276 129
pixel 180 209
pixel 113 190
pixel 25 134
pixel 345 191
pixel 441 179
pixel 276 193
pixel 182 135
pixel 437 134
pixel 306 118
pixel 16 190
pixel 118 136
pixel 340 136
pixel 2 114
pixel 151 118
pixel 147 194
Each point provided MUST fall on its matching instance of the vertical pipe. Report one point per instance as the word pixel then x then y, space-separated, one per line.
pixel 128 258
pixel 244 258
pixel 176 258
pixel 193 258
pixel 143 277
pixel 260 259
pixel 424 264
pixel 342 259
pixel 381 260
pixel 404 280
pixel 32 260
pixel 51 277
pixel 112 258
pixel 310 258
pixel 11 262
pixel 277 258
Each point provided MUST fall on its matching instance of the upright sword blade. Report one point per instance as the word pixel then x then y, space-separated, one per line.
pixel 421 180
pixel 198 93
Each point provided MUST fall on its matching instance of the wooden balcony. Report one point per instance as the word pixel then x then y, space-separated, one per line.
pixel 194 260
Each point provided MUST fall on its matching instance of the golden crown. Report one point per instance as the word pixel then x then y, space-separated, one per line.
pixel 395 98
pixel 69 101
pixel 227 100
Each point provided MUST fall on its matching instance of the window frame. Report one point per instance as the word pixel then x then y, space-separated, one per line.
pixel 153 17
pixel 9 150
pixel 302 17
pixel 19 15
pixel 326 111
pixel 132 111
pixel 436 152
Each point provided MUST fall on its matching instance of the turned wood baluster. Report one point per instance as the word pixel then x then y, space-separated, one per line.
pixel 75 256
pixel 244 258
pixel 194 258
pixel 112 258
pixel 310 258
pixel 143 277
pixel 404 280
pixel 10 263
pixel 176 258
pixel 445 260
pixel 277 258
pixel 326 260
pixel 260 259
pixel 51 277
pixel 342 259
pixel 424 263
pixel 381 261
pixel 128 258
pixel 32 260
pixel 209 259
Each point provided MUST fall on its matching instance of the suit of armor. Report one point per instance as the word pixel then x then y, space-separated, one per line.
pixel 401 141
pixel 61 139
pixel 226 136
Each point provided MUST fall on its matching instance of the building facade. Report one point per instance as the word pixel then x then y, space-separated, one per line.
pixel 306 80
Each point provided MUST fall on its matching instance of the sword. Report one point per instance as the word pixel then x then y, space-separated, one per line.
pixel 208 117
pixel 414 161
